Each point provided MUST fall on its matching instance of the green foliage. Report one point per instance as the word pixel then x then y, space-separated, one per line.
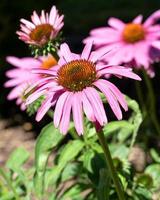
pixel 48 139
pixel 78 170
pixel 17 159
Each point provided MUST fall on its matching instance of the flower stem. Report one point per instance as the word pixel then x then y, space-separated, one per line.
pixel 140 97
pixel 110 164
pixel 152 102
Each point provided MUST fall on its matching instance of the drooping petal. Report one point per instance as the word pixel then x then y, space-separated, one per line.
pixel 77 112
pixel 97 105
pixel 87 107
pixel 65 118
pixel 117 93
pixel 110 98
pixel 44 108
pixel 59 108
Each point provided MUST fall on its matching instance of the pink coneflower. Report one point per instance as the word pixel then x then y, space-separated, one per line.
pixel 21 77
pixel 133 40
pixel 41 29
pixel 74 87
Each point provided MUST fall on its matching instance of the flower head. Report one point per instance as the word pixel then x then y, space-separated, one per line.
pixel 134 40
pixel 41 29
pixel 21 76
pixel 74 87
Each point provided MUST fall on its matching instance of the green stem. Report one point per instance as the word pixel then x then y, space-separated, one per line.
pixel 9 184
pixel 152 102
pixel 140 97
pixel 110 165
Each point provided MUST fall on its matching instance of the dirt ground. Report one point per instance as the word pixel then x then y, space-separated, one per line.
pixel 12 137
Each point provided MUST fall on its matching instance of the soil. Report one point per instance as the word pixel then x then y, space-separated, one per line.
pixel 15 136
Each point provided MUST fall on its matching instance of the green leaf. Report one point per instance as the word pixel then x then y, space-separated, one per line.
pixel 70 171
pixel 17 159
pixel 74 192
pixel 70 151
pixel 145 180
pixel 104 185
pixel 154 171
pixel 87 159
pixel 155 155
pixel 113 126
pixel 143 193
pixel 48 139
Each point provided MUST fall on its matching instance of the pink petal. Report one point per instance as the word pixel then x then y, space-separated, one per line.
pixel 65 119
pixel 141 54
pixel 152 18
pixel 44 108
pixel 97 55
pixel 117 93
pixel 110 98
pixel 65 52
pixel 97 105
pixel 43 17
pixel 59 108
pixel 34 96
pixel 119 70
pixel 77 113
pixel 52 15
pixel 13 82
pixel 35 18
pixel 16 92
pixel 156 44
pixel 86 51
pixel 45 72
pixel 138 19
pixel 87 107
pixel 28 23
pixel 116 23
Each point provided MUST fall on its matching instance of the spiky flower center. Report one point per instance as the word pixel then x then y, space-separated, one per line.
pixel 41 33
pixel 133 33
pixel 77 75
pixel 49 62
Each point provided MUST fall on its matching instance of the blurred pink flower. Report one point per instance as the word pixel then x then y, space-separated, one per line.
pixel 75 86
pixel 42 28
pixel 130 41
pixel 21 76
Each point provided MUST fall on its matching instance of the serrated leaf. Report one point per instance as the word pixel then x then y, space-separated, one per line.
pixel 17 159
pixel 48 139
